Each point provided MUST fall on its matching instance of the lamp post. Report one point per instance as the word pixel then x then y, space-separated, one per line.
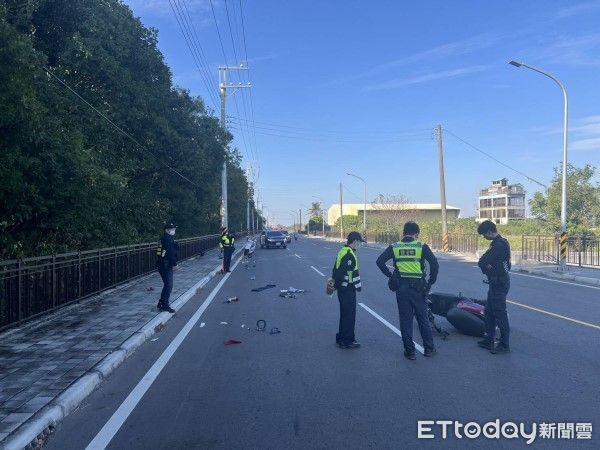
pixel 365 210
pixel 563 209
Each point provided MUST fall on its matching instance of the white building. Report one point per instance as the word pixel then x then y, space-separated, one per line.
pixel 407 211
pixel 502 202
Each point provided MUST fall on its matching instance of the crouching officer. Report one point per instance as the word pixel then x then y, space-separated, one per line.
pixel 495 264
pixel 408 280
pixel 347 282
pixel 226 244
pixel 166 260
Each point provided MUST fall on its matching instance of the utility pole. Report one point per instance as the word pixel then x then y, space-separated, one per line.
pixel 445 242
pixel 223 86
pixel 300 224
pixel 341 213
pixel 253 229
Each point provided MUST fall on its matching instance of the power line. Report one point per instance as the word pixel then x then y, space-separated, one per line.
pixel 130 137
pixel 187 36
pixel 495 159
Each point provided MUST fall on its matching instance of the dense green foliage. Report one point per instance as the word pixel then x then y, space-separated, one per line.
pixel 583 201
pixel 68 179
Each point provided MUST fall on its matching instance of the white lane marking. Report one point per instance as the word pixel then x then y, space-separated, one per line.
pixel 556 281
pixel 389 325
pixel 111 428
pixel 328 248
pixel 587 324
pixel 297 255
pixel 317 270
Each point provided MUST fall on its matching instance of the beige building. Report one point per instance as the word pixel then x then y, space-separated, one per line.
pixel 501 202
pixel 408 211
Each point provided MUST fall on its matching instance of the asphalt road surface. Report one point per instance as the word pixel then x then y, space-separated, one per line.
pixel 296 389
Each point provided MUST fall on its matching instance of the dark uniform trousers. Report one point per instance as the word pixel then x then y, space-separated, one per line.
pixel 227 252
pixel 347 299
pixel 412 303
pixel 495 309
pixel 166 273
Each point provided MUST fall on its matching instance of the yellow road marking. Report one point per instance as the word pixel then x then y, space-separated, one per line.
pixel 580 322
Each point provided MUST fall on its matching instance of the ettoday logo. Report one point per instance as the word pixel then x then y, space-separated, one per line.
pixel 432 429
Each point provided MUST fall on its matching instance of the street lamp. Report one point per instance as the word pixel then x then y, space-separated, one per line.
pixel 563 209
pixel 322 214
pixel 365 210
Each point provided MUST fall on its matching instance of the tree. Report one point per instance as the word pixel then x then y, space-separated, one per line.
pixel 390 212
pixel 583 200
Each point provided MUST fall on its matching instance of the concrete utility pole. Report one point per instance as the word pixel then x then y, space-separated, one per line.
pixel 223 86
pixel 300 224
pixel 341 213
pixel 253 229
pixel 563 208
pixel 445 242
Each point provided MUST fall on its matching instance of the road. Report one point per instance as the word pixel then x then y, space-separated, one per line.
pixel 296 389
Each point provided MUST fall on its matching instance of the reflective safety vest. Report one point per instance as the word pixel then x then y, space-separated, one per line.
pixel 351 276
pixel 407 259
pixel 226 240
pixel 160 251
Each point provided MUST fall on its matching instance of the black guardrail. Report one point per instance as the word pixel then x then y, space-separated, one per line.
pixel 30 287
pixel 462 243
pixel 581 251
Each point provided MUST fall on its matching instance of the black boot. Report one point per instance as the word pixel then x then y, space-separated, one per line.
pixel 486 343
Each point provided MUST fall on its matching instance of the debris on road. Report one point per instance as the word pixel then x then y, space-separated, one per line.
pixel 253 278
pixel 224 323
pixel 202 325
pixel 284 293
pixel 262 288
pixel 261 325
pixel 293 290
pixel 150 289
pixel 274 330
pixel 155 339
pixel 232 341
pixel 232 299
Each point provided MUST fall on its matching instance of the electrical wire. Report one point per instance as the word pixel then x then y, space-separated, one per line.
pixel 130 137
pixel 533 180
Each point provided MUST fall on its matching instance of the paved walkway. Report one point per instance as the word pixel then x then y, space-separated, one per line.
pixel 41 360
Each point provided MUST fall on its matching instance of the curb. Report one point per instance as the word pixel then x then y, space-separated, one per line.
pixel 32 433
pixel 564 277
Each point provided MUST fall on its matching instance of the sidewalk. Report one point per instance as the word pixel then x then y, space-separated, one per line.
pixel 44 359
pixel 585 275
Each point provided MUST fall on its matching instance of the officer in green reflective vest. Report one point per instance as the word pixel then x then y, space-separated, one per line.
pixel 409 282
pixel 347 282
pixel 226 244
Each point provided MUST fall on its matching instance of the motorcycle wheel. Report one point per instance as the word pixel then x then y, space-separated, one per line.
pixel 466 322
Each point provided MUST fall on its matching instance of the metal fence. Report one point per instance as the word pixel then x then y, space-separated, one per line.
pixel 581 251
pixel 463 243
pixel 30 287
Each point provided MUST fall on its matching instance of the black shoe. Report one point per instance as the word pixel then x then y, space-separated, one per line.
pixel 488 345
pixel 351 345
pixel 500 348
pixel 430 352
pixel 166 308
pixel 410 356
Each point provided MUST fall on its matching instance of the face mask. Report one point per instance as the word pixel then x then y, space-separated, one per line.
pixel 171 231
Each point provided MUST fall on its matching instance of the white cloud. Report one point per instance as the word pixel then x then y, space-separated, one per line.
pixel 585 144
pixel 580 50
pixel 424 78
pixel 578 9
pixel 160 7
pixel 584 133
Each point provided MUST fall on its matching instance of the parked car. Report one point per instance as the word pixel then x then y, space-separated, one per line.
pixel 288 237
pixel 273 239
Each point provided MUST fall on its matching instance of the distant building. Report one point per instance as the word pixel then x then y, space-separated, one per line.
pixel 502 202
pixel 408 211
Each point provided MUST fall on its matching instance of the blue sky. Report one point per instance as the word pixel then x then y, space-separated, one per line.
pixel 358 86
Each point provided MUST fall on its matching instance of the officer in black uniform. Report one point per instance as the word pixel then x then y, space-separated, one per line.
pixel 408 280
pixel 166 261
pixel 495 264
pixel 347 282
pixel 226 244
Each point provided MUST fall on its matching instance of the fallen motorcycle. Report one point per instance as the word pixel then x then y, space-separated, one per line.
pixel 465 314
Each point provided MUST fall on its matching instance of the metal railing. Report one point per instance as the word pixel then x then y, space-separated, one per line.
pixel 581 251
pixel 31 287
pixel 462 243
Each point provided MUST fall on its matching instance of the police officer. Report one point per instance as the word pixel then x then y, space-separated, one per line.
pixel 495 264
pixel 166 261
pixel 347 282
pixel 226 244
pixel 408 280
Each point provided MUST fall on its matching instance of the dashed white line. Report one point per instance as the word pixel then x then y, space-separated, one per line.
pixel 297 255
pixel 317 270
pixel 389 325
pixel 114 424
